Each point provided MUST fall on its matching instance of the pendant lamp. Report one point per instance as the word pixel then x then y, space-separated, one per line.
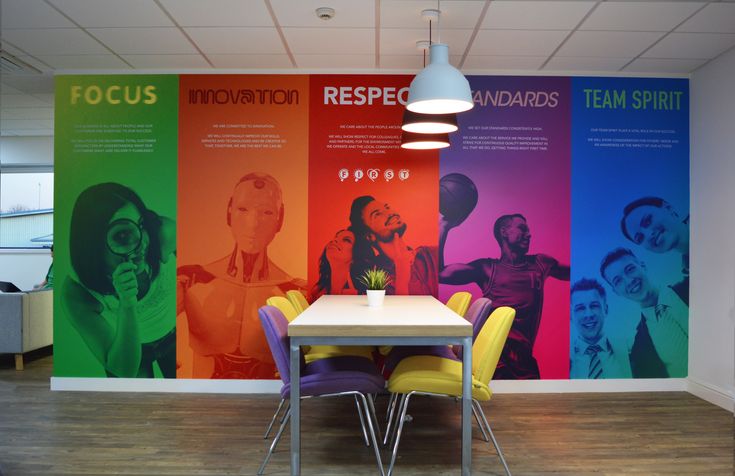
pixel 440 88
pixel 429 123
pixel 412 140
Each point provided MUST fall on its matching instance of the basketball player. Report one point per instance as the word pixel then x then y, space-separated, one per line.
pixel 515 280
pixel 221 299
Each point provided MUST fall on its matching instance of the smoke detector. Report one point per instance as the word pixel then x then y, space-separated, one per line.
pixel 325 13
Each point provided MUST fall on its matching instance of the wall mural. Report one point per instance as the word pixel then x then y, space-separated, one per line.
pixel 184 201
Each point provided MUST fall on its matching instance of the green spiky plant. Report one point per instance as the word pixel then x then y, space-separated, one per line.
pixel 375 279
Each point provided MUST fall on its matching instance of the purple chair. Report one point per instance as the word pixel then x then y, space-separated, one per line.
pixel 477 314
pixel 337 376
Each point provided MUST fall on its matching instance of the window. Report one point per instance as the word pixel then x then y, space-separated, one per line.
pixel 26 209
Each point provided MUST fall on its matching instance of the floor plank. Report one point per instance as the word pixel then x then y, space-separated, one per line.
pixel 101 433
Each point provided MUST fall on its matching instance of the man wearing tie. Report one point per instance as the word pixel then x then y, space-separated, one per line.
pixel 594 355
pixel 664 323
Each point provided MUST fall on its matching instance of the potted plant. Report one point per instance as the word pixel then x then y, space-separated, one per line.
pixel 376 280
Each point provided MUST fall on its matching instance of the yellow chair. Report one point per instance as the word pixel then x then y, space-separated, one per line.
pixel 283 305
pixel 460 302
pixel 431 375
pixel 298 300
pixel 316 352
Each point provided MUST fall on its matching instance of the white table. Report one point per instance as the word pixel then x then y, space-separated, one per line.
pixel 402 320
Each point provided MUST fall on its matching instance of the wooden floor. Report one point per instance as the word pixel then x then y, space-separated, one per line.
pixel 86 433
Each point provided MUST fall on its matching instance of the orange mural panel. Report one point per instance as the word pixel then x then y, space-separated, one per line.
pixel 242 224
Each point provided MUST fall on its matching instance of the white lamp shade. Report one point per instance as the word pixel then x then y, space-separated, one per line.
pixel 412 140
pixel 440 88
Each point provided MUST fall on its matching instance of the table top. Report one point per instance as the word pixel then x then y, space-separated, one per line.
pixel 400 316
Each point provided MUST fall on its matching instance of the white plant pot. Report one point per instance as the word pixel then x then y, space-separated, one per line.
pixel 375 297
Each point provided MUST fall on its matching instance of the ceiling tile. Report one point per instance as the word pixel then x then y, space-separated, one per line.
pixel 714 18
pixel 113 13
pixel 331 41
pixel 56 41
pixel 407 14
pixel 668 65
pixel 411 62
pixel 237 40
pixel 131 41
pixel 30 14
pixel 639 16
pixel 691 45
pixel 281 61
pixel 477 62
pixel 45 113
pixel 166 61
pixel 219 12
pixel 21 100
pixel 348 13
pixel 516 42
pixel 35 64
pixel 585 63
pixel 612 44
pixel 84 62
pixel 538 15
pixel 396 41
pixel 335 61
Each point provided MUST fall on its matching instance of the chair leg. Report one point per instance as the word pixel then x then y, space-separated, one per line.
pixel 18 362
pixel 277 438
pixel 479 422
pixel 392 439
pixel 391 404
pixel 368 405
pixel 273 420
pixel 404 409
pixel 391 413
pixel 371 404
pixel 362 421
pixel 495 442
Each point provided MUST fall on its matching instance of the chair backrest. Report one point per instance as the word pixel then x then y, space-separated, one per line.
pixel 275 327
pixel 459 302
pixel 490 342
pixel 477 315
pixel 298 300
pixel 284 305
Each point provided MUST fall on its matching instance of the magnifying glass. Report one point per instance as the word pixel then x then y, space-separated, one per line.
pixel 124 237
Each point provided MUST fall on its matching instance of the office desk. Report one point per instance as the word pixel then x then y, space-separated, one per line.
pixel 402 320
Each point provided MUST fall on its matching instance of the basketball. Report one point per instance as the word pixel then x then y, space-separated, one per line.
pixel 457 197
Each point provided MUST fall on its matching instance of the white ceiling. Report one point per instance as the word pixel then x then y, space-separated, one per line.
pixel 484 36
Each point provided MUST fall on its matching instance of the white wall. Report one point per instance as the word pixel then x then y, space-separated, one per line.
pixel 16 151
pixel 712 300
pixel 24 268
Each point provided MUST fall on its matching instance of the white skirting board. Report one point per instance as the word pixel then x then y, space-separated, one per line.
pixel 274 386
pixel 715 395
